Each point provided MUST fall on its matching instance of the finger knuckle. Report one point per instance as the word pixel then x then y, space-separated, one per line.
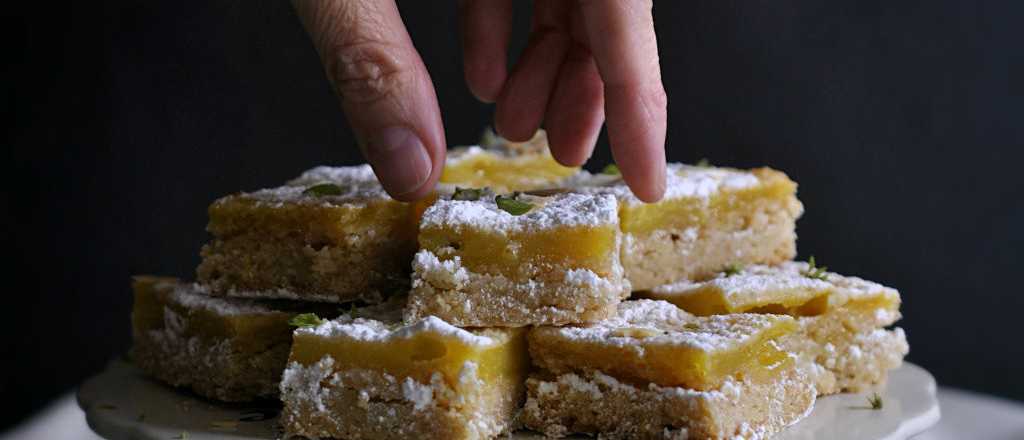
pixel 368 71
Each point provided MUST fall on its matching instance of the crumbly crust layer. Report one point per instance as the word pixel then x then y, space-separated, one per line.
pixel 213 369
pixel 365 404
pixel 841 361
pixel 465 298
pixel 595 403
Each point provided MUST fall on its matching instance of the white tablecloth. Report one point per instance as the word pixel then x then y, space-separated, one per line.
pixel 965 415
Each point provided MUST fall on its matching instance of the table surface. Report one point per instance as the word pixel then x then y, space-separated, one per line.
pixel 964 415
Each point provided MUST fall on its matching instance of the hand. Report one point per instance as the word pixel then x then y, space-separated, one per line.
pixel 585 60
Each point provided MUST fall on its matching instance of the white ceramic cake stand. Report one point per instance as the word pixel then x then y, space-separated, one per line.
pixel 121 404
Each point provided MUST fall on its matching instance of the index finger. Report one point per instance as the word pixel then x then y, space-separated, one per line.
pixel 622 40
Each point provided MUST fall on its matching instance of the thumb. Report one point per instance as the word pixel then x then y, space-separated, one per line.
pixel 384 88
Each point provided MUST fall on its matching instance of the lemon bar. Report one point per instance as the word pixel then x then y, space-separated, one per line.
pixel 709 217
pixel 222 348
pixel 368 376
pixel 331 235
pixel 842 320
pixel 655 371
pixel 496 261
pixel 505 166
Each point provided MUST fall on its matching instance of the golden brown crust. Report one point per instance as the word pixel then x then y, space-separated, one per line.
pixel 843 360
pixel 215 370
pixel 595 403
pixel 469 299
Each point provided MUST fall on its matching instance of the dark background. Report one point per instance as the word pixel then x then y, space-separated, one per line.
pixel 901 120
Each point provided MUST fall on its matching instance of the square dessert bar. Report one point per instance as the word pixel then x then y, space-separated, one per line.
pixel 490 261
pixel 222 348
pixel 505 166
pixel 841 319
pixel 367 376
pixel 655 371
pixel 331 235
pixel 709 217
pixel 334 235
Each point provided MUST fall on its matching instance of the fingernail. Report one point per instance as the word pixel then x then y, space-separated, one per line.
pixel 399 159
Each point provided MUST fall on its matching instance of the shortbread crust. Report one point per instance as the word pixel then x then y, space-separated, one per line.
pixel 480 265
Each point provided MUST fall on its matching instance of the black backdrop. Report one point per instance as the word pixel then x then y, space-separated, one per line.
pixel 900 120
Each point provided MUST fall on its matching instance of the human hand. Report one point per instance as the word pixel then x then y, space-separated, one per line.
pixel 586 60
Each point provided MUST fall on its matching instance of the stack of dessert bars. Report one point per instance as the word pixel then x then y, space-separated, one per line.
pixel 521 295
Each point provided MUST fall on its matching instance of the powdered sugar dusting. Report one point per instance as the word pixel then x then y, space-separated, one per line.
pixel 371 330
pixel 759 285
pixel 448 274
pixel 295 194
pixel 419 394
pixel 661 323
pixel 559 210
pixel 682 181
pixel 301 383
pixel 458 155
pixel 587 278
pixel 341 175
pixel 357 184
pixel 195 296
pixel 370 296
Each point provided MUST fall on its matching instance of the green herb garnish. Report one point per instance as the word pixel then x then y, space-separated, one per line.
pixel 512 205
pixel 349 309
pixel 470 194
pixel 732 269
pixel 305 320
pixel 611 170
pixel 704 163
pixel 323 189
pixel 875 401
pixel 813 271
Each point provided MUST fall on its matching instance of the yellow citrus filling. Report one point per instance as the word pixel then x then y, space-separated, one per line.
pixel 495 253
pixel 723 207
pixel 310 223
pixel 420 355
pixel 710 300
pixel 251 331
pixel 683 365
pixel 506 173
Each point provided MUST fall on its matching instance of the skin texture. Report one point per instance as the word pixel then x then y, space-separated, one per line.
pixel 586 61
